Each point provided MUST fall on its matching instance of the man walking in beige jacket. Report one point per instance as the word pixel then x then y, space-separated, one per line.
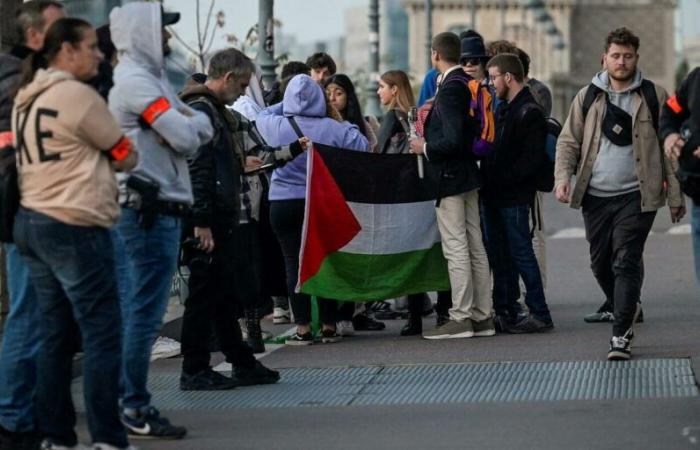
pixel 609 142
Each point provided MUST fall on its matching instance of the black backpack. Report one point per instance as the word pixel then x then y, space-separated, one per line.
pixel 544 181
pixel 648 91
pixel 9 183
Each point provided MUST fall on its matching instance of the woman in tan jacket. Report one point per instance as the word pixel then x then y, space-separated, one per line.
pixel 68 146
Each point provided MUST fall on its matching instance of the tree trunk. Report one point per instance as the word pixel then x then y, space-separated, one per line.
pixel 7 40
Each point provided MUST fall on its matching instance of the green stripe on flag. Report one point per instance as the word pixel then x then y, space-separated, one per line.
pixel 361 277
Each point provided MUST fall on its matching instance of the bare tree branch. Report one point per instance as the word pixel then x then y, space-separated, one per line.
pixel 208 22
pixel 182 42
pixel 199 36
pixel 211 41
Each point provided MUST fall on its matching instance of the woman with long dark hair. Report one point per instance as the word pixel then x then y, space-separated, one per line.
pixel 67 153
pixel 341 94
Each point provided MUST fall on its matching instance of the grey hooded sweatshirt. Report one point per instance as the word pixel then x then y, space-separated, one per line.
pixel 614 169
pixel 139 81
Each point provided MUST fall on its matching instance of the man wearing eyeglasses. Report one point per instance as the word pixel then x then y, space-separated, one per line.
pixel 510 182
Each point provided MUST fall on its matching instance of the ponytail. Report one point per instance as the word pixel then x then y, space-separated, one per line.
pixel 30 66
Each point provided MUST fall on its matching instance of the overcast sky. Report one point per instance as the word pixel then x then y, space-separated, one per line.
pixel 310 20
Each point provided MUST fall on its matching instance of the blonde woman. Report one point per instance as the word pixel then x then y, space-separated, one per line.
pixel 396 96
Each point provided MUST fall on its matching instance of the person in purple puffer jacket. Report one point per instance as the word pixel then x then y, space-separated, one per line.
pixel 304 107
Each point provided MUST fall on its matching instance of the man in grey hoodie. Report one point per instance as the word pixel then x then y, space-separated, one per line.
pixel 154 196
pixel 610 143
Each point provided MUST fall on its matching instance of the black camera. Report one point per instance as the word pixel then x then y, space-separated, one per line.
pixel 195 258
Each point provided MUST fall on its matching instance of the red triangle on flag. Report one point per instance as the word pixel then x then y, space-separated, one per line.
pixel 329 223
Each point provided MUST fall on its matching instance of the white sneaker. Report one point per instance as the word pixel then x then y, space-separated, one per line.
pixel 100 446
pixel 164 347
pixel 345 328
pixel 281 315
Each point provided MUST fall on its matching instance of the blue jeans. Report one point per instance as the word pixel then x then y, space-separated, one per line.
pixel 509 246
pixel 72 269
pixel 146 261
pixel 695 225
pixel 20 346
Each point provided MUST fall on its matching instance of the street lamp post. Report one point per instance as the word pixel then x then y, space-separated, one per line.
pixel 372 105
pixel 429 30
pixel 266 42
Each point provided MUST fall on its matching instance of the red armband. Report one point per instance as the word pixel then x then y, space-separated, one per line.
pixel 6 139
pixel 672 103
pixel 121 150
pixel 155 110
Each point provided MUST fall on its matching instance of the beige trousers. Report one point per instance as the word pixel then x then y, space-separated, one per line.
pixel 463 248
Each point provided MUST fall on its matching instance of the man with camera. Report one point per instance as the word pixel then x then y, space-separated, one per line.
pixel 680 130
pixel 215 284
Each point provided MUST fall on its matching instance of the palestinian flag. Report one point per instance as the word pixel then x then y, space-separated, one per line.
pixel 370 229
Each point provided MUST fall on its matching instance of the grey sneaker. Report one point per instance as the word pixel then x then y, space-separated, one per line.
pixel 451 330
pixel 484 328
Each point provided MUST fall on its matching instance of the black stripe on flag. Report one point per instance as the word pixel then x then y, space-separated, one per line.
pixel 377 178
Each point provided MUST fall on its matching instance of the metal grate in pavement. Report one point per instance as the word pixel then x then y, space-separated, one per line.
pixel 441 383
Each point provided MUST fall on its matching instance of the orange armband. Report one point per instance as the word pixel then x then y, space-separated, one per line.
pixel 6 139
pixel 672 103
pixel 121 150
pixel 154 111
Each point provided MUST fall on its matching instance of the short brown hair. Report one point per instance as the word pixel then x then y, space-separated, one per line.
pixel 320 60
pixel 622 36
pixel 447 45
pixel 508 63
pixel 30 15
pixel 501 46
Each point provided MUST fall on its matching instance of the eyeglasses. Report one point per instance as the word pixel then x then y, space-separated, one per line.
pixel 471 62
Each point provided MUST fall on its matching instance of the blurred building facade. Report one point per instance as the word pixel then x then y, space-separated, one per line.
pixel 583 25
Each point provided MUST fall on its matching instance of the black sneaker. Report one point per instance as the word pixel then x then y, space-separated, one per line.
pixel 363 322
pixel 300 339
pixel 620 349
pixel 18 441
pixel 259 374
pixel 330 336
pixel 256 344
pixel 206 380
pixel 531 324
pixel 149 425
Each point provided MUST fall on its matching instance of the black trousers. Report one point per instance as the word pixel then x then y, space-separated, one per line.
pixel 617 230
pixel 287 219
pixel 442 307
pixel 213 301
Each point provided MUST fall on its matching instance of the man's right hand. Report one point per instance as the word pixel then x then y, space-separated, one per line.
pixel 673 144
pixel 206 239
pixel 562 192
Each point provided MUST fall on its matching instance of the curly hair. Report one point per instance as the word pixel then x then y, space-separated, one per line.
pixel 501 46
pixel 622 36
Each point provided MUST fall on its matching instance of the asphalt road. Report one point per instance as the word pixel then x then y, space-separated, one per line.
pixel 671 330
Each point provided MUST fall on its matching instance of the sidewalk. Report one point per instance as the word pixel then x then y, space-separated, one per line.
pixel 378 390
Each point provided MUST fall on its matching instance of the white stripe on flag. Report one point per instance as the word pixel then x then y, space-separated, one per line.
pixel 388 229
